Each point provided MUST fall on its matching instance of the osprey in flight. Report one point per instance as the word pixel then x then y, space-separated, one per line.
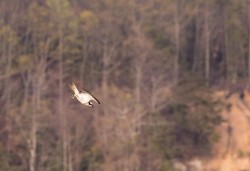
pixel 83 96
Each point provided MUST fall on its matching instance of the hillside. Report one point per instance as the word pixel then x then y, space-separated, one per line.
pixel 232 153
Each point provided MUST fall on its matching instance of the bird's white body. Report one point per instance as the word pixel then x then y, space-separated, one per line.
pixel 83 97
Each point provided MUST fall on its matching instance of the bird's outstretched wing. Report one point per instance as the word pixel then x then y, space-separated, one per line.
pixel 73 88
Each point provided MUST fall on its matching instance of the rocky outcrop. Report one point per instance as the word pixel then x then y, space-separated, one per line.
pixel 232 152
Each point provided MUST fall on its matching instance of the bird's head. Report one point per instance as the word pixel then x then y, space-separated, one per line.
pixel 91 104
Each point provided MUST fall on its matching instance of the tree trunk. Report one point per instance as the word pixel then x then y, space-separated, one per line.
pixel 196 57
pixel 105 70
pixel 138 84
pixel 7 90
pixel 105 73
pixel 70 159
pixel 153 94
pixel 61 108
pixel 226 54
pixel 33 142
pixel 83 63
pixel 33 138
pixel 177 42
pixel 38 79
pixel 248 3
pixel 207 45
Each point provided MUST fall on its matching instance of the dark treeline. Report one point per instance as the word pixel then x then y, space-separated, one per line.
pixel 152 63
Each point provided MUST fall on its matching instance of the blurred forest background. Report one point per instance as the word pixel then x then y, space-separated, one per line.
pixel 153 64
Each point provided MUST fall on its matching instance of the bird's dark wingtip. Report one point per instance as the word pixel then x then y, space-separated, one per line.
pixel 97 100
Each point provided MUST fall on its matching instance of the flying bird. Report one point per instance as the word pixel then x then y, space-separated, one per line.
pixel 84 97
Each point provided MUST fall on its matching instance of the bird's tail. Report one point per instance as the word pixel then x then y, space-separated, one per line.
pixel 73 88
